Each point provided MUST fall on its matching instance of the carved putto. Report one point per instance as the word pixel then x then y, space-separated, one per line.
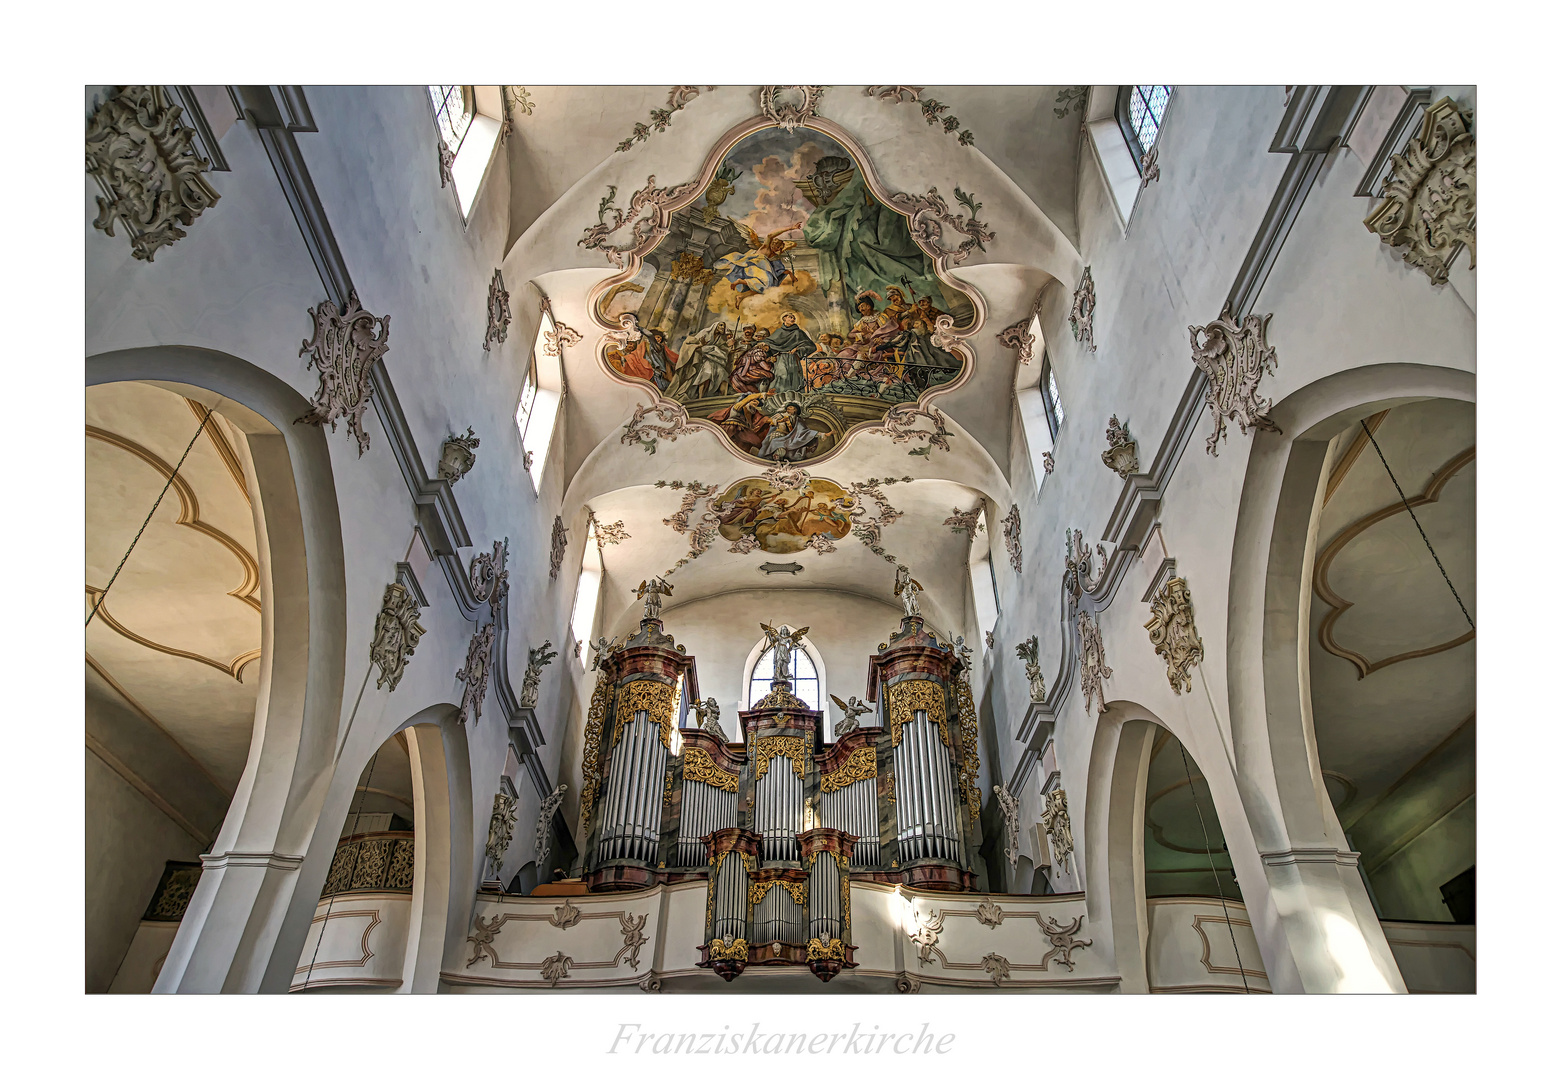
pixel 1010 806
pixel 1048 462
pixel 1082 316
pixel 783 640
pixel 852 707
pixel 1122 453
pixel 458 455
pixel 143 159
pixel 543 842
pixel 784 113
pixel 907 587
pixel 346 346
pixel 559 544
pixel 498 312
pixel 1054 819
pixel 1028 651
pixel 1011 537
pixel 1150 167
pixel 396 634
pixel 536 660
pixel 501 827
pixel 708 713
pixel 1234 357
pixel 447 161
pixel 651 592
pixel 1173 634
pixel 1093 669
pixel 1428 206
pixel 474 673
pixel 488 575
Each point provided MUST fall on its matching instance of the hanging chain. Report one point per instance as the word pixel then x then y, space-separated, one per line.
pixel 104 594
pixel 1419 529
pixel 1209 851
pixel 357 855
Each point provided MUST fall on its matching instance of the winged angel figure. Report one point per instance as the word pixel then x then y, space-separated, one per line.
pixel 783 641
pixel 853 708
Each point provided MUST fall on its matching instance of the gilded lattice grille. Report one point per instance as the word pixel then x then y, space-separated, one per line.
pixel 375 862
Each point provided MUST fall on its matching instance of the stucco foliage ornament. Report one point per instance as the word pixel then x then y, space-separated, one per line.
pixel 556 967
pixel 144 160
pixel 997 967
pixel 1234 357
pixel 647 216
pixel 447 161
pixel 924 935
pixel 789 114
pixel 633 928
pixel 474 673
pixel 488 575
pixel 1011 538
pixel 965 521
pixel 607 533
pixel 1070 99
pixel 346 346
pixel 930 213
pixel 1029 651
pixel 557 547
pixel 900 424
pixel 674 421
pixel 1150 167
pixel 536 660
pixel 1173 634
pixel 852 708
pixel 1093 669
pixel 1079 574
pixel 501 827
pixel 932 110
pixel 482 938
pixel 458 455
pixel 1062 940
pixel 1019 337
pixel 1122 453
pixel 1010 806
pixel 677 98
pixel 498 312
pixel 1082 315
pixel 1048 462
pixel 989 913
pixel 565 915
pixel 1428 206
pixel 709 714
pixel 542 843
pixel 396 634
pixel 1060 833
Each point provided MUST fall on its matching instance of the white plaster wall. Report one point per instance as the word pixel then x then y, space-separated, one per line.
pixel 1407 884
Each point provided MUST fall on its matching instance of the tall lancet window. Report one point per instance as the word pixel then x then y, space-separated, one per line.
pixel 1139 113
pixel 805 677
pixel 453 112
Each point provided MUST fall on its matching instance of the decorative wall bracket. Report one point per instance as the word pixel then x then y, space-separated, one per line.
pixel 1173 634
pixel 1029 651
pixel 396 634
pixel 1122 453
pixel 536 660
pixel 787 114
pixel 458 455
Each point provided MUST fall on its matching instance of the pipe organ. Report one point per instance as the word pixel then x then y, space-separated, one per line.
pixel 779 823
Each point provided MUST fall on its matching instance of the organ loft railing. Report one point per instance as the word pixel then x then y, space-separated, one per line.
pixel 779 821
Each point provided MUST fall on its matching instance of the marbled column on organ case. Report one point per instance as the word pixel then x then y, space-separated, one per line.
pixel 827 857
pixel 732 854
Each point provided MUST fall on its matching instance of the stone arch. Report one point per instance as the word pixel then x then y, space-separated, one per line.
pixel 1328 923
pixel 230 929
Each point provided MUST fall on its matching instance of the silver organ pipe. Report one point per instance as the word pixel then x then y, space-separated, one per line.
pixel 731 904
pixel 854 809
pixel 632 818
pixel 824 898
pixel 705 809
pixel 777 917
pixel 778 810
pixel 926 809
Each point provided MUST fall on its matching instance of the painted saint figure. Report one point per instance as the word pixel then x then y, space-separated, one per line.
pixel 790 345
pixel 789 438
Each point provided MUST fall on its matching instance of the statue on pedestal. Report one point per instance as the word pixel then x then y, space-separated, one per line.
pixel 907 587
pixel 652 591
pixel 783 640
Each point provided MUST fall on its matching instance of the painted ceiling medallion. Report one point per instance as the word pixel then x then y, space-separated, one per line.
pixel 799 304
pixel 760 514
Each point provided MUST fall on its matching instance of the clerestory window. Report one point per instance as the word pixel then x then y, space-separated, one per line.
pixel 1139 113
pixel 805 677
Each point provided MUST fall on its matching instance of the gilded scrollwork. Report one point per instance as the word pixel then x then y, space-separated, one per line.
pixel 798 890
pixel 699 765
pixel 913 695
pixel 591 771
pixel 791 747
pixel 1173 634
pixel 736 949
pixel 834 949
pixel 1428 206
pixel 653 698
pixel 861 764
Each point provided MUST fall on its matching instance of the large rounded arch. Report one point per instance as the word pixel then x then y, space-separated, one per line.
pixel 230 928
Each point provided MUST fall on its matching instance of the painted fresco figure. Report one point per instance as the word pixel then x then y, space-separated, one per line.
pixel 745 423
pixel 761 266
pixel 789 344
pixel 705 364
pixel 789 438
pixel 639 354
pixel 753 370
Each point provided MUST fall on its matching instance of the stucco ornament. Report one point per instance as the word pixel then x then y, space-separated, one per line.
pixel 647 216
pixel 1082 315
pixel 447 161
pixel 989 913
pixel 1048 462
pixel 677 98
pixel 988 637
pixel 1010 806
pixel 965 521
pixel 924 935
pixel 1150 167
pixel 932 109
pixel 488 575
pixel 674 421
pixel 907 587
pixel 900 424
pixel 1028 651
pixel 536 660
pixel 346 346
pixel 788 114
pixel 557 546
pixel 1122 452
pixel 565 915
pixel 143 159
pixel 1234 357
pixel 1018 336
pixel 1079 570
pixel 556 967
pixel 930 213
pixel 474 673
pixel 852 707
pixel 396 634
pixel 633 928
pixel 1062 940
pixel 1011 538
pixel 1060 833
pixel 607 533
pixel 1173 634
pixel 501 827
pixel 458 455
pixel 709 714
pixel 542 843
pixel 651 591
pixel 498 312
pixel 1093 669
pixel 482 938
pixel 1428 206
pixel 997 967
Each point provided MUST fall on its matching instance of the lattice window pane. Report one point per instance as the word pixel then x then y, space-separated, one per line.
pixel 523 412
pixel 1050 396
pixel 1146 107
pixel 805 677
pixel 451 113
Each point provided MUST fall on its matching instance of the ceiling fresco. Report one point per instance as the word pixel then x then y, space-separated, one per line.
pixel 787 304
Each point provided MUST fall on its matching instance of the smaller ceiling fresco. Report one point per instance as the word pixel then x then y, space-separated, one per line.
pixel 780 519
pixel 787 304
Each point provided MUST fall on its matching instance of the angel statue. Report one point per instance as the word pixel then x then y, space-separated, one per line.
pixel 783 641
pixel 963 651
pixel 853 708
pixel 709 714
pixel 601 650
pixel 907 587
pixel 651 591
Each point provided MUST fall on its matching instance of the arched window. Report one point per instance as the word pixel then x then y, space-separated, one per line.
pixel 805 677
pixel 538 410
pixel 453 113
pixel 584 616
pixel 1049 396
pixel 1139 113
pixel 469 119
